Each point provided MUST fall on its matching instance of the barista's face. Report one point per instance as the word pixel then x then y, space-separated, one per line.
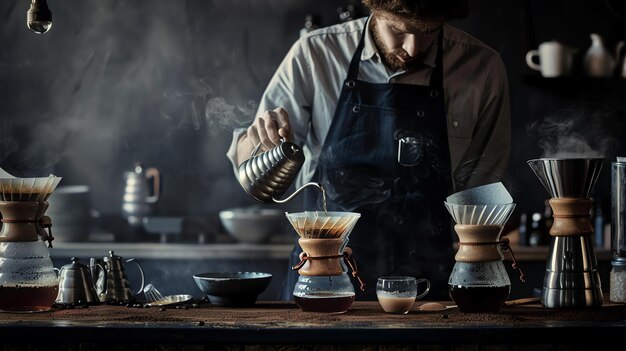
pixel 402 43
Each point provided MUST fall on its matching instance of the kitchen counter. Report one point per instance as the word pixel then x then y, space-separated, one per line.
pixel 284 323
pixel 232 251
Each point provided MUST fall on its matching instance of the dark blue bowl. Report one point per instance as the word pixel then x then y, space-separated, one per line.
pixel 236 289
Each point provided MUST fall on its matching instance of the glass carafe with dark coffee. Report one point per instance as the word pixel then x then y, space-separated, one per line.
pixel 324 284
pixel 479 281
pixel 28 282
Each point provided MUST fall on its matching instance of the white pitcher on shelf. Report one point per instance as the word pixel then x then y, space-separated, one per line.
pixel 598 61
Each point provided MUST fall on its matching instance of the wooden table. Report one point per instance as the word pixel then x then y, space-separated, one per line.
pixel 283 323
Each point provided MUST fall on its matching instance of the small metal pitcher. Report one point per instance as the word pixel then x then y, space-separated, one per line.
pixel 114 286
pixel 76 283
pixel 267 176
pixel 138 197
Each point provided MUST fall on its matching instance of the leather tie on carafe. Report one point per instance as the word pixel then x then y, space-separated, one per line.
pixel 351 262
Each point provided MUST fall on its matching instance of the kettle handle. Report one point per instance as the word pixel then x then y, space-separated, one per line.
pixel 156 175
pixel 104 278
pixel 140 271
pixel 256 149
pixel 94 264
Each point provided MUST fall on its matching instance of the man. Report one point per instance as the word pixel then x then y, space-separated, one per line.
pixel 394 112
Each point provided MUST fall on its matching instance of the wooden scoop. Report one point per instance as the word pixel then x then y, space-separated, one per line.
pixel 438 307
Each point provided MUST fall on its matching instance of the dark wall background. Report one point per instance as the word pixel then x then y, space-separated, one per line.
pixel 164 82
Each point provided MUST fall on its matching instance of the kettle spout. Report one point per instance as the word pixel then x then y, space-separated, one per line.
pixel 288 198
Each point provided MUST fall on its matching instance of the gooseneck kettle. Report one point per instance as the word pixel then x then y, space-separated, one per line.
pixel 268 175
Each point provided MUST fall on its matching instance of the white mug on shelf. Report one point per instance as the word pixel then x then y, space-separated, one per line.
pixel 555 59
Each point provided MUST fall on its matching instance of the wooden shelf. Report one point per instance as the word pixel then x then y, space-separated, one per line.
pixel 574 82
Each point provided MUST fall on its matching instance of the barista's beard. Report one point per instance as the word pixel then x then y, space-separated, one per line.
pixel 390 58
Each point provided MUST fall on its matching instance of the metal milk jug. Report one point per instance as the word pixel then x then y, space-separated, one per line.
pixel 76 285
pixel 137 201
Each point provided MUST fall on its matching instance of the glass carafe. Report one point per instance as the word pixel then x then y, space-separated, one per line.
pixel 324 284
pixel 479 281
pixel 28 282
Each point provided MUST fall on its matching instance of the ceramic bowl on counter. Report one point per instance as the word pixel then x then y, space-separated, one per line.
pixel 253 225
pixel 236 289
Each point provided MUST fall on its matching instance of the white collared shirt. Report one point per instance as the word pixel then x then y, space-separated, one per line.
pixel 308 82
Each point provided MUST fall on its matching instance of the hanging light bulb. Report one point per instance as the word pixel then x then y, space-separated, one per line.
pixel 39 16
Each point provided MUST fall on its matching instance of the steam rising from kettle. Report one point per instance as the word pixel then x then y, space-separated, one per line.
pixel 39 16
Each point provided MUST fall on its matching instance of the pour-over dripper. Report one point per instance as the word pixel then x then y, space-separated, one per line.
pixel 26 189
pixel 323 225
pixel 567 177
pixel 479 228
pixel 494 214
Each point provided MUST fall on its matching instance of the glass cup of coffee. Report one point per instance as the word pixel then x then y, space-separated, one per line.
pixel 398 294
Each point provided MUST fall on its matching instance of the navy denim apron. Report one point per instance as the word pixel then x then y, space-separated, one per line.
pixel 386 156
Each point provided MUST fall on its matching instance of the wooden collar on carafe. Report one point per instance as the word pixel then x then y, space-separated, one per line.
pixel 18 219
pixel 481 243
pixel 321 258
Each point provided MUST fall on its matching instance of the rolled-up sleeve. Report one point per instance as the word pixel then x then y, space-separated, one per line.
pixel 291 88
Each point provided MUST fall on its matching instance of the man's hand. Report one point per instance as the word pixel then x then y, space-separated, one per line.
pixel 266 130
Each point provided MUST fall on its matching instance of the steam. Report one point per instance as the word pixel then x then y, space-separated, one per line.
pixel 229 117
pixel 8 144
pixel 204 105
pixel 588 131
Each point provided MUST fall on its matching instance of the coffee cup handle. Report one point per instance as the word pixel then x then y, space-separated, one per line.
pixel 425 291
pixel 530 60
